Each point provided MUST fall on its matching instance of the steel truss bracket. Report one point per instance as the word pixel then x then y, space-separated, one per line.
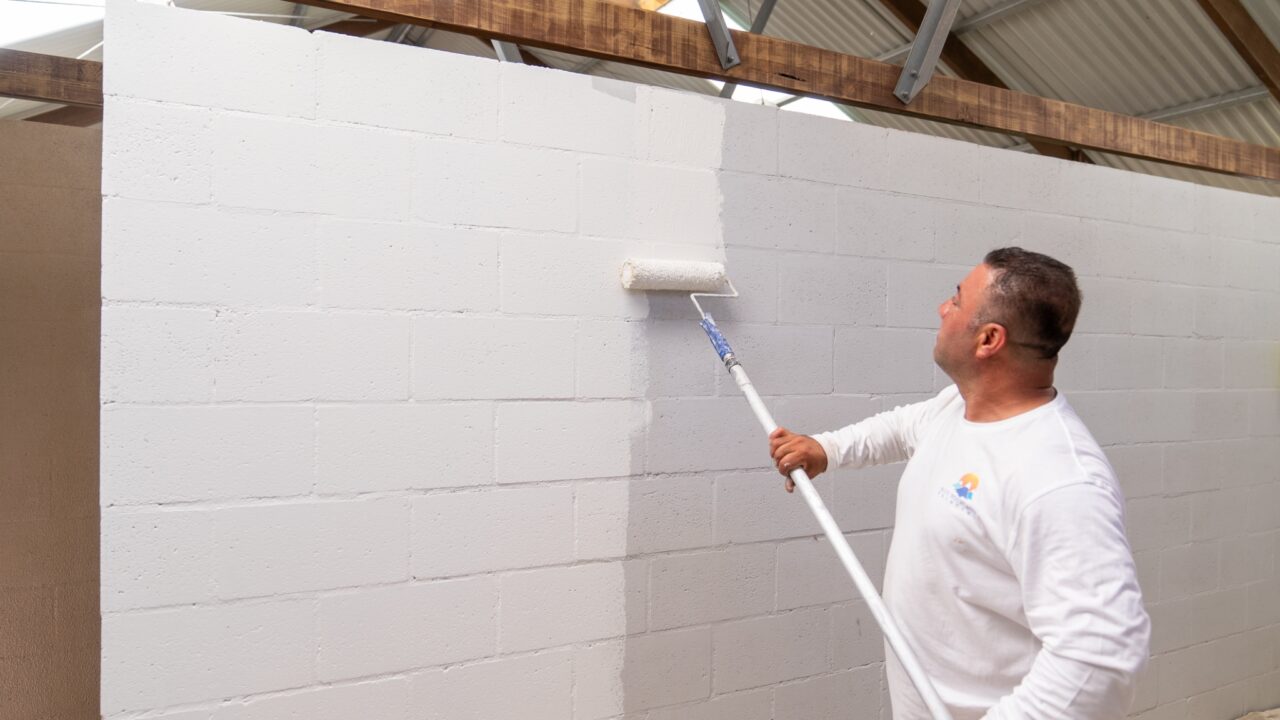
pixel 926 49
pixel 719 33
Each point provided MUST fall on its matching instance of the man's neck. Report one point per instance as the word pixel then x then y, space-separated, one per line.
pixel 990 401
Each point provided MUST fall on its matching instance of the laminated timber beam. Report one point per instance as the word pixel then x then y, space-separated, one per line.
pixel 49 78
pixel 625 34
pixel 966 64
pixel 1250 42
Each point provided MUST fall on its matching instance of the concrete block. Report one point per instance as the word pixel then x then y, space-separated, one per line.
pixel 486 530
pixel 823 412
pixel 779 213
pixel 749 705
pixel 373 631
pixel 163 252
pixel 274 549
pixel 1079 367
pixel 597 345
pixel 1229 701
pixel 1264 413
pixel 865 499
pixel 556 275
pixel 1192 467
pixel 701 587
pixel 964 234
pixel 1249 264
pixel 1226 213
pixel 1218 416
pixel 809 573
pixel 174 454
pixel 772 649
pixel 878 360
pixel 545 441
pixel 364 448
pixel 675 358
pixel 683 128
pixel 1106 307
pixel 282 356
pixel 750 138
pixel 187 655
pixel 332 702
pixel 570 111
pixel 1163 310
pixel 455 183
pixel 755 274
pixel 1216 514
pixel 1263 611
pixel 261 67
pixel 532 686
pixel 1161 202
pixel 1193 364
pixel 832 151
pixel 274 164
pixel 884 225
pixel 1025 181
pixel 1096 191
pixel 157 557
pixel 1158 522
pixel 1201 668
pixel 828 290
pixel 640 516
pixel 1127 362
pixel 1264 507
pixel 935 167
pixel 154 354
pixel 1188 570
pixel 1247 559
pixel 657 203
pixel 1161 416
pixel 915 291
pixel 830 695
pixel 642 672
pixel 784 360
pixel 1251 364
pixel 856 638
pixel 700 434
pixel 438 93
pixel 396 266
pixel 750 507
pixel 462 357
pixel 1071 240
pixel 559 606
pixel 157 152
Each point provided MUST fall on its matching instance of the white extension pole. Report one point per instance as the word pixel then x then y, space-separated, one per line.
pixel 878 610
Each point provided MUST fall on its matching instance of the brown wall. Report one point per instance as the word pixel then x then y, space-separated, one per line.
pixel 50 219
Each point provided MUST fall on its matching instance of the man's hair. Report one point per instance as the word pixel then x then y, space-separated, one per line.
pixel 1034 297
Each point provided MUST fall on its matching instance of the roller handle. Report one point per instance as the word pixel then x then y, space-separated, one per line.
pixel 834 534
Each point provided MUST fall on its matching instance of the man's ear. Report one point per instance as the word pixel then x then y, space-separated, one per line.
pixel 992 338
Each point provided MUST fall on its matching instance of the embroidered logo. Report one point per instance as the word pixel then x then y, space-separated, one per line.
pixel 966 487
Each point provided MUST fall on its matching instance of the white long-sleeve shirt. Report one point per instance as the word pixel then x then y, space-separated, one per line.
pixel 1009 571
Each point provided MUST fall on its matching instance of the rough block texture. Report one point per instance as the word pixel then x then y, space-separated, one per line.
pixel 384 437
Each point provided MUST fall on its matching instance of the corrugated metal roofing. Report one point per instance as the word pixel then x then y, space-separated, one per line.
pixel 1133 56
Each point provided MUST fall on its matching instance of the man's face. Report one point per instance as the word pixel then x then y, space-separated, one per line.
pixel 954 347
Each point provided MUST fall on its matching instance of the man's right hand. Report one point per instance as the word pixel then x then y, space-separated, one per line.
pixel 791 451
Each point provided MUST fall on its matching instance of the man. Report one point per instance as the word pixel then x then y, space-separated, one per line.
pixel 1009 572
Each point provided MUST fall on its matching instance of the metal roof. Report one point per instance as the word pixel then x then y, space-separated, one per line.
pixel 1163 59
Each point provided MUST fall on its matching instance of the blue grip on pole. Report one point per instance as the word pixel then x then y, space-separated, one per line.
pixel 717 340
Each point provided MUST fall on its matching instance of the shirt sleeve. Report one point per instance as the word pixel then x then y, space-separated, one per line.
pixel 887 437
pixel 1082 601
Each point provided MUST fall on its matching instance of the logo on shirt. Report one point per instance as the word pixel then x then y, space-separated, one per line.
pixel 966 487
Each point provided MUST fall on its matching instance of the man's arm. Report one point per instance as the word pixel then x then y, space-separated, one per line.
pixel 1081 596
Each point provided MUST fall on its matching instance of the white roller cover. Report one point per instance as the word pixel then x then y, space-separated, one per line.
pixel 686 275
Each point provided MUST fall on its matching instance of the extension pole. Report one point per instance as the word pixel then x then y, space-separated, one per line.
pixel 829 527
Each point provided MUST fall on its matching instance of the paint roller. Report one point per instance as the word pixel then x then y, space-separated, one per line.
pixel 708 279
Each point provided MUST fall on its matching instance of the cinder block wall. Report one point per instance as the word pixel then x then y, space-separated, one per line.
pixel 49 235
pixel 382 437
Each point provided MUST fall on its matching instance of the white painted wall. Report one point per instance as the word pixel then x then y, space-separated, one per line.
pixel 383 438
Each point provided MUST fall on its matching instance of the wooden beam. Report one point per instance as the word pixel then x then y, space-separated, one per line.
pixel 966 64
pixel 624 34
pixel 49 78
pixel 1248 39
pixel 75 116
